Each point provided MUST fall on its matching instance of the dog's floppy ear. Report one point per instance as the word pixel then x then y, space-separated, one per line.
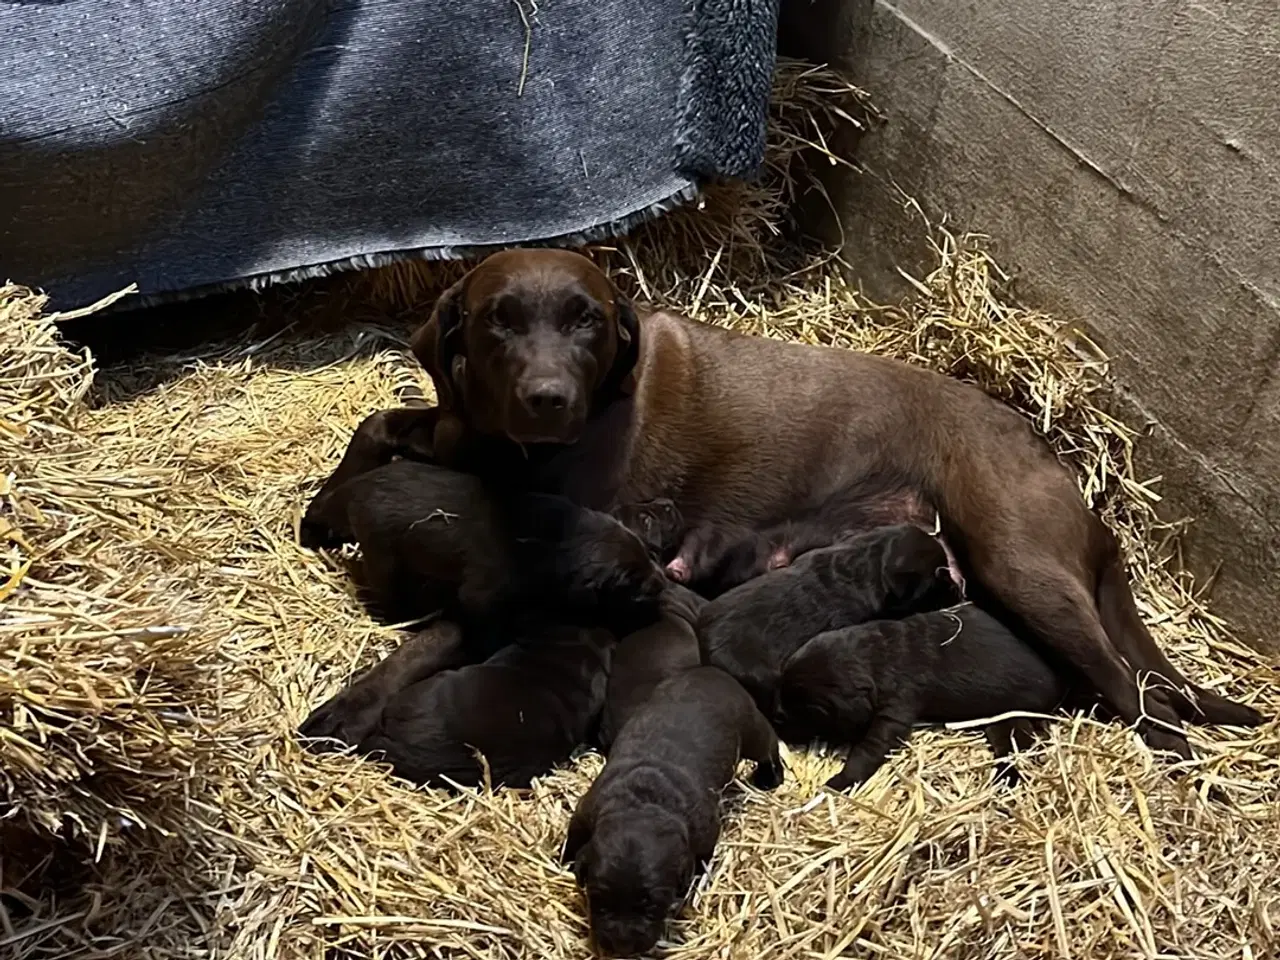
pixel 621 376
pixel 438 342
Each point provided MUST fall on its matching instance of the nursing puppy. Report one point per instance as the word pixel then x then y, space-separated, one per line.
pixel 649 656
pixel 750 631
pixel 523 710
pixel 653 815
pixel 430 535
pixel 658 523
pixel 714 559
pixel 867 685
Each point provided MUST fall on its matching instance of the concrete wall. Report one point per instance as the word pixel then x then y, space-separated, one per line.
pixel 1125 156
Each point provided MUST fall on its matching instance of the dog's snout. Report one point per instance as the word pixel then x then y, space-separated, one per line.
pixel 545 396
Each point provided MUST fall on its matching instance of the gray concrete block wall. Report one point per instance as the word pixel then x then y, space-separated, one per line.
pixel 1125 157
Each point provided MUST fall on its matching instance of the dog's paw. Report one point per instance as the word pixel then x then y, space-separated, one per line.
pixel 678 570
pixel 1007 775
pixel 1160 738
pixel 343 720
pixel 840 783
pixel 314 535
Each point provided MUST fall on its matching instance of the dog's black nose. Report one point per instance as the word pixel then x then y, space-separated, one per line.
pixel 545 396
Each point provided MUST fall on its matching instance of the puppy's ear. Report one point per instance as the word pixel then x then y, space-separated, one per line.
pixel 438 343
pixel 621 376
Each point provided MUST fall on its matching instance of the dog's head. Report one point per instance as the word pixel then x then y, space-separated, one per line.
pixel 659 523
pixel 604 564
pixel 914 567
pixel 528 344
pixel 634 876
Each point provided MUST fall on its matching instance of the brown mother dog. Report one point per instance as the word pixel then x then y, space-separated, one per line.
pixel 543 371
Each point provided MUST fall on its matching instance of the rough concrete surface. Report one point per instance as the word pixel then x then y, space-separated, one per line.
pixel 1125 157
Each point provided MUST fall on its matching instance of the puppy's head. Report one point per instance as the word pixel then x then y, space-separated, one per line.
pixel 914 567
pixel 634 874
pixel 603 564
pixel 659 523
pixel 528 343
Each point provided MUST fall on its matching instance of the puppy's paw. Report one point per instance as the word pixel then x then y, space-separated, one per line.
pixel 314 535
pixel 1160 738
pixel 1007 776
pixel 678 570
pixel 343 720
pixel 841 782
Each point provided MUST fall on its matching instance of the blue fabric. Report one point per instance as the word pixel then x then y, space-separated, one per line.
pixel 188 145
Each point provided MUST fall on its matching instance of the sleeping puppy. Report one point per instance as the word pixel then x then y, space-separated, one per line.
pixel 653 815
pixel 868 685
pixel 750 631
pixel 650 655
pixel 430 536
pixel 524 710
pixel 713 559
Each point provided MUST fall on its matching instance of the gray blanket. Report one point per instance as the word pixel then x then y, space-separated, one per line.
pixel 192 145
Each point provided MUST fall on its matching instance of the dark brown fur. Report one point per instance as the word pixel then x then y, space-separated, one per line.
pixel 753 431
pixel 867 685
pixel 657 522
pixel 714 559
pixel 428 533
pixel 346 717
pixel 433 537
pixel 653 815
pixel 750 631
pixel 524 710
pixel 650 655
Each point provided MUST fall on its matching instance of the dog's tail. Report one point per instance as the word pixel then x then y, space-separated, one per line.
pixel 1130 636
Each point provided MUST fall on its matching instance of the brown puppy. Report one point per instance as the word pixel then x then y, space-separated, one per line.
pixel 433 538
pixel 750 631
pixel 650 655
pixel 653 815
pixel 748 430
pixel 428 533
pixel 524 710
pixel 867 685
pixel 407 432
pixel 714 559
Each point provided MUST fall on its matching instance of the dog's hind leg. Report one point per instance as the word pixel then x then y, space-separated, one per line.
pixel 1123 623
pixel 1006 737
pixel 760 744
pixel 353 713
pixel 889 729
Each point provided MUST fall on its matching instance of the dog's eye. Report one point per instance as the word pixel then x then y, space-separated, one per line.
pixel 507 314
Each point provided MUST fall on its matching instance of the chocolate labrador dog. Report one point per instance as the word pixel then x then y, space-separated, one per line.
pixel 650 655
pixel 868 685
pixel 542 367
pixel 653 815
pixel 750 631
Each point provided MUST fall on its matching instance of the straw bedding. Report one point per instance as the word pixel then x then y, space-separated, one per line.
pixel 162 634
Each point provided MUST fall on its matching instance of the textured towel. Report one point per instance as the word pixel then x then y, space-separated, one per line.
pixel 191 145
